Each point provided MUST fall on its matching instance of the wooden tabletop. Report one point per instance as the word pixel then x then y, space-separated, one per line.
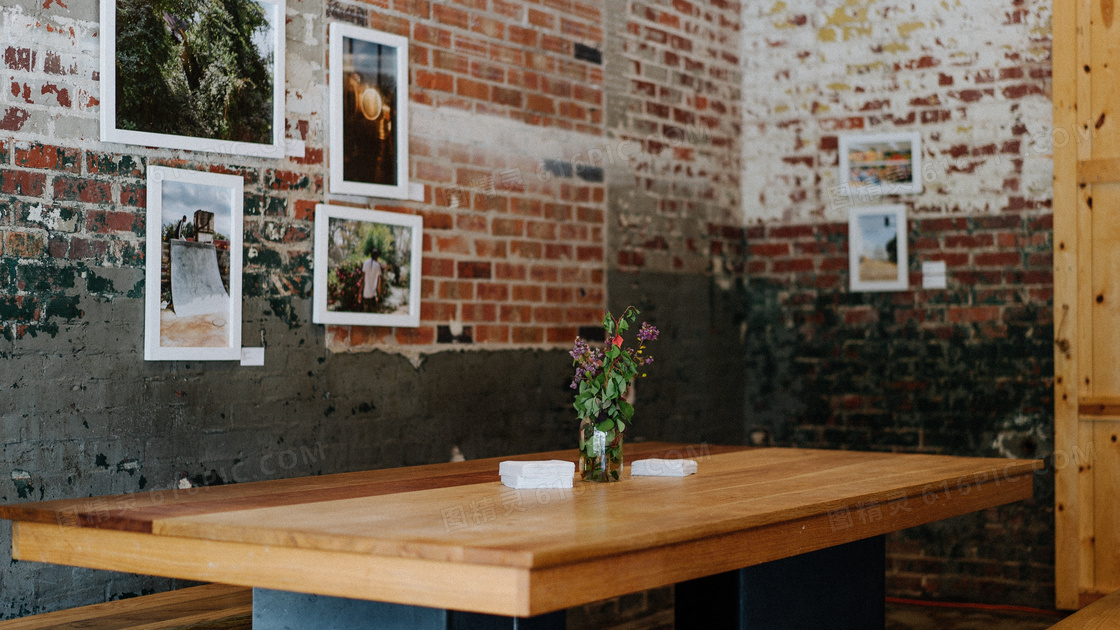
pixel 452 536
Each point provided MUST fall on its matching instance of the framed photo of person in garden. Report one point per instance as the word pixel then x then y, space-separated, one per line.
pixel 367 267
pixel 203 75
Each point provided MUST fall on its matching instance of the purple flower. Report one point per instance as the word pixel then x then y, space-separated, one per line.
pixel 579 349
pixel 647 332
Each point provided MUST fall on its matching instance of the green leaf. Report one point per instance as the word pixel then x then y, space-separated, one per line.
pixel 627 409
pixel 605 425
pixel 612 389
pixel 621 425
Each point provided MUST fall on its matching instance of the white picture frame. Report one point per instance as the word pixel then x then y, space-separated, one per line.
pixel 356 286
pixel 186 314
pixel 877 248
pixel 171 112
pixel 881 164
pixel 368 77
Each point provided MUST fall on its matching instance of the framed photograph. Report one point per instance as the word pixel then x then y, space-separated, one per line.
pixel 192 295
pixel 369 112
pixel 204 75
pixel 367 267
pixel 881 164
pixel 877 256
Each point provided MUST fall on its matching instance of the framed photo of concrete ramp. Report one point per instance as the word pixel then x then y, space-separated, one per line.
pixel 367 267
pixel 192 294
pixel 203 75
pixel 877 251
pixel 368 79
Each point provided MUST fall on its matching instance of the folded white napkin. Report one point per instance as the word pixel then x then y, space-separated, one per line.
pixel 549 468
pixel 663 468
pixel 522 483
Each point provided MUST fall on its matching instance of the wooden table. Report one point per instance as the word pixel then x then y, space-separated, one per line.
pixel 451 536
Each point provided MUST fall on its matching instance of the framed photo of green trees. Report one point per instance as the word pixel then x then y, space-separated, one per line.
pixel 203 75
pixel 367 267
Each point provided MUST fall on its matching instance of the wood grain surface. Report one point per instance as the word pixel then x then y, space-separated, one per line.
pixel 207 606
pixel 1102 614
pixel 452 536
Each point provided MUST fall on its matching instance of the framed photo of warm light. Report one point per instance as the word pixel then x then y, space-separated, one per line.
pixel 367 267
pixel 877 252
pixel 192 288
pixel 881 164
pixel 369 112
pixel 203 75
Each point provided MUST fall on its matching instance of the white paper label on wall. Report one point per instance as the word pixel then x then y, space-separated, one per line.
pixel 252 356
pixel 933 275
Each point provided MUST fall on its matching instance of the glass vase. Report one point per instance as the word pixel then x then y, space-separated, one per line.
pixel 600 453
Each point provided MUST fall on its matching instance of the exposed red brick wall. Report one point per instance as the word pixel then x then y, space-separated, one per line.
pixel 513 249
pixel 674 72
pixel 506 98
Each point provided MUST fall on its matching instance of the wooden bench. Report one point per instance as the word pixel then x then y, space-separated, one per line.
pixel 1103 613
pixel 210 607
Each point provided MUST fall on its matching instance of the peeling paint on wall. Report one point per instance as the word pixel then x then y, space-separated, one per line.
pixel 23 483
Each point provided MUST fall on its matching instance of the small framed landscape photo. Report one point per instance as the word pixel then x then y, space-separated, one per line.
pixel 192 295
pixel 367 267
pixel 881 164
pixel 877 252
pixel 368 79
pixel 203 75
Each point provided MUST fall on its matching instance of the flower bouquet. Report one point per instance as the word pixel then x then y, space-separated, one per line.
pixel 602 380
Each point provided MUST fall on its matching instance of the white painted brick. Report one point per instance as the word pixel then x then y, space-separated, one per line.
pixel 795 81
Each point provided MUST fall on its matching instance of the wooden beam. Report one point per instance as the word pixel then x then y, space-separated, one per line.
pixel 1099 406
pixel 1069 54
pixel 1098 171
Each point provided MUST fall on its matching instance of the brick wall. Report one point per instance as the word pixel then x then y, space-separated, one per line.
pixel 967 370
pixel 514 242
pixel 973 78
pixel 514 212
pixel 674 95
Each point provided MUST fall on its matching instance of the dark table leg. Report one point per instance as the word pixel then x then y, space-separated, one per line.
pixel 838 588
pixel 281 610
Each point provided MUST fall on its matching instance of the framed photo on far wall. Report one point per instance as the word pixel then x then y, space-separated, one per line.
pixel 367 267
pixel 877 252
pixel 369 112
pixel 881 164
pixel 192 294
pixel 203 75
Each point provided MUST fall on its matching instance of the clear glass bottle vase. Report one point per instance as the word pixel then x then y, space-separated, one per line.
pixel 600 453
